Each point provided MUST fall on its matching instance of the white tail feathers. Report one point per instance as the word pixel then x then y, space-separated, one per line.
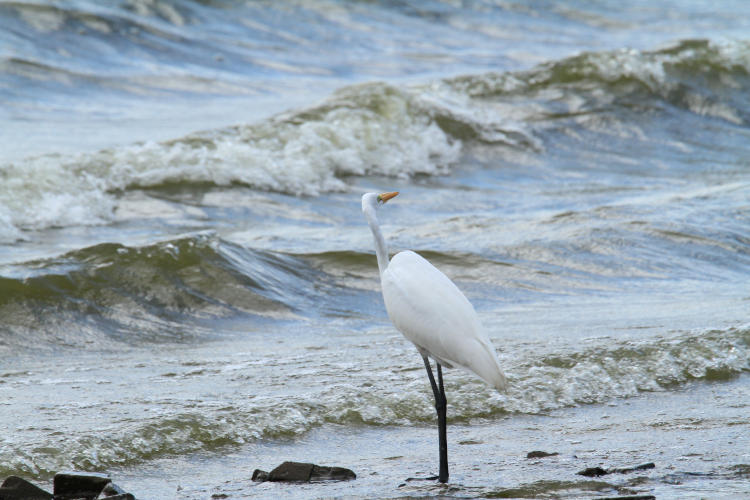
pixel 489 370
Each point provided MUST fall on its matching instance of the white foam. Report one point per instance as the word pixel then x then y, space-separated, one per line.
pixel 47 192
pixel 361 130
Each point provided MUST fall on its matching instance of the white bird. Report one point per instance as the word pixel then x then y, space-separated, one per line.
pixel 430 310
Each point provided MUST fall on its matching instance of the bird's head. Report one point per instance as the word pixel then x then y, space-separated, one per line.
pixel 375 200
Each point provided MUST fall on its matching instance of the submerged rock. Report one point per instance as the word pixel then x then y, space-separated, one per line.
pixel 593 472
pixel 15 488
pixel 625 470
pixel 79 485
pixel 598 471
pixel 631 497
pixel 540 454
pixel 304 472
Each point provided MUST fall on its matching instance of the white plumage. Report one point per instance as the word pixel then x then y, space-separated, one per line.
pixel 430 310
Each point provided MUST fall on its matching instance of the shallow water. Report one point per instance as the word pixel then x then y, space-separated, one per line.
pixel 188 288
pixel 695 455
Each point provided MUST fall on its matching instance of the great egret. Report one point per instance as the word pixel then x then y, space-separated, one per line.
pixel 430 310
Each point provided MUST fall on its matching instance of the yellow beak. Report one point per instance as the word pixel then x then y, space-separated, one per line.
pixel 387 196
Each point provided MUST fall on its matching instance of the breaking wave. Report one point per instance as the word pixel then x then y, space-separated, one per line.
pixel 395 394
pixel 144 294
pixel 380 129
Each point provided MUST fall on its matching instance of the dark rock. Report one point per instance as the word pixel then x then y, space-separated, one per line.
pixel 76 485
pixel 540 454
pixel 631 497
pixel 15 488
pixel 625 470
pixel 113 492
pixel 304 472
pixel 598 471
pixel 111 489
pixel 323 473
pixel 593 472
pixel 260 475
pixel 291 471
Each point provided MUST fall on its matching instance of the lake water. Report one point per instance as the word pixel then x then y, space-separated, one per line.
pixel 188 289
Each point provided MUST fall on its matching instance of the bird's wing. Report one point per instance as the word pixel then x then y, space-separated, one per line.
pixel 430 310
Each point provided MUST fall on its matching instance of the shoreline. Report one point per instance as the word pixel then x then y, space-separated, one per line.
pixel 692 453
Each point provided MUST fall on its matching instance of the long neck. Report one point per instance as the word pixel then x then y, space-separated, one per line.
pixel 380 248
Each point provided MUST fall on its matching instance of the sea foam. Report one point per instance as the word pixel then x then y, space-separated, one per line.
pixel 360 130
pixel 384 129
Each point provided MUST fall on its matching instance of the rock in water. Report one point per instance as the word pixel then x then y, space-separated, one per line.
pixel 111 489
pixel 291 471
pixel 304 472
pixel 593 472
pixel 540 454
pixel 260 475
pixel 598 471
pixel 15 488
pixel 625 470
pixel 631 497
pixel 322 473
pixel 79 485
pixel 114 492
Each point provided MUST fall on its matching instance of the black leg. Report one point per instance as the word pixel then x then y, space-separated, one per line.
pixel 442 409
pixel 435 390
pixel 441 405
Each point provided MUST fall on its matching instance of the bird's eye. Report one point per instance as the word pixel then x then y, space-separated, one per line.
pixel 380 200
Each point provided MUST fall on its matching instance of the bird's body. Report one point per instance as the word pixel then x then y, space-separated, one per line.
pixel 430 311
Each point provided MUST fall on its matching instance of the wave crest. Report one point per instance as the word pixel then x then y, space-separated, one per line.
pixel 109 292
pixel 704 77
pixel 383 129
pixel 394 393
pixel 361 130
